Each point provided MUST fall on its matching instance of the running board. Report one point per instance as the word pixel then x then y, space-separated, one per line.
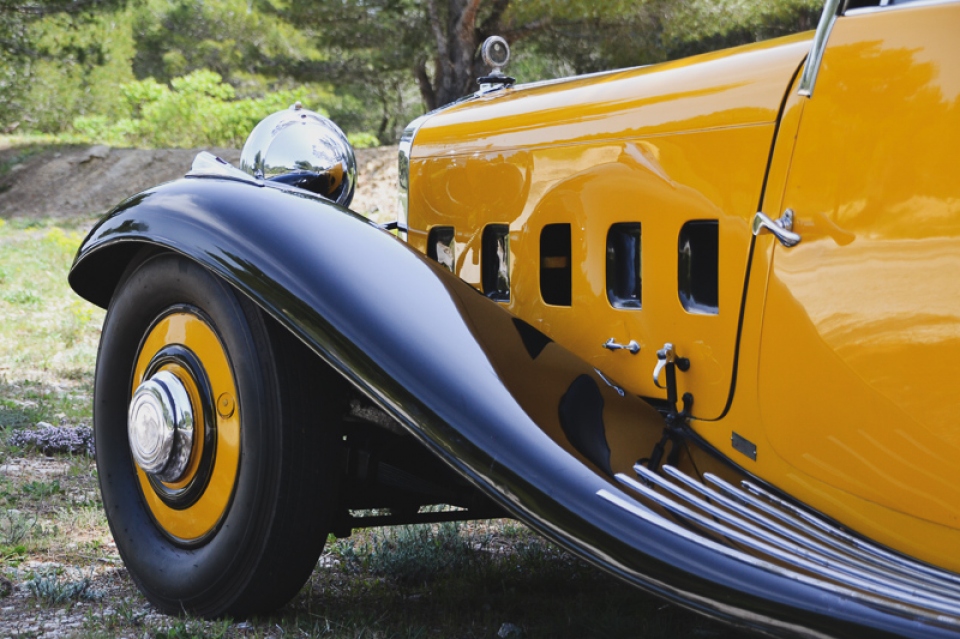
pixel 752 525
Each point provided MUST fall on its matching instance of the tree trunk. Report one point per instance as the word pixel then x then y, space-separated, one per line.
pixel 457 38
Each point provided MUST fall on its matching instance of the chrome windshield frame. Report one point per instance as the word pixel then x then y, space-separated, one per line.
pixel 831 9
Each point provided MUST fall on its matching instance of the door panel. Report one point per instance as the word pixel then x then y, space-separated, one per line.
pixel 860 354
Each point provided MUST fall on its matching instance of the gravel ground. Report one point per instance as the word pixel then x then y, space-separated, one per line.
pixel 77 564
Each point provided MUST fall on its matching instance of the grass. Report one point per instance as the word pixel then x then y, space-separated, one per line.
pixel 48 336
pixel 465 580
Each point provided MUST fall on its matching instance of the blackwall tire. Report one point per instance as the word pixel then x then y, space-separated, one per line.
pixel 241 530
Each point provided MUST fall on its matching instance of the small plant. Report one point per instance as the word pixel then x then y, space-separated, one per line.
pixel 12 555
pixel 194 629
pixel 68 243
pixel 53 588
pixel 413 554
pixel 50 439
pixel 41 490
pixel 107 622
pixel 21 297
pixel 15 526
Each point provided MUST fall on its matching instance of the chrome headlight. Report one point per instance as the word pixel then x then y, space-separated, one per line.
pixel 302 148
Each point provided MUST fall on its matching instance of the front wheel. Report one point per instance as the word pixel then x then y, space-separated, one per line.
pixel 216 443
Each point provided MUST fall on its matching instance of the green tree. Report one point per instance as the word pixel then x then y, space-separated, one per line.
pixel 24 44
pixel 436 41
pixel 254 51
pixel 369 47
pixel 79 69
pixel 232 38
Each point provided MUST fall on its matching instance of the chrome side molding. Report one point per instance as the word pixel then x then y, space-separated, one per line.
pixel 754 526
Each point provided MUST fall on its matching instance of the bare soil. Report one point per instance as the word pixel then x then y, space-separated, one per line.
pixel 71 181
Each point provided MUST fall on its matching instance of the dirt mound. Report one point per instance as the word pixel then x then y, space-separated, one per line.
pixel 87 181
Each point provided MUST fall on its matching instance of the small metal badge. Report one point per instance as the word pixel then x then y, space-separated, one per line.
pixel 744 446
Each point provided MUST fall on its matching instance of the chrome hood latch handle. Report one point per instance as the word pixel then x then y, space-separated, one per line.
pixel 612 345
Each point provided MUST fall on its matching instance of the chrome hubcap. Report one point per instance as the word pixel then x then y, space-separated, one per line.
pixel 160 427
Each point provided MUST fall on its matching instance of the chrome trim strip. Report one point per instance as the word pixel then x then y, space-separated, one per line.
pixel 893 7
pixel 403 161
pixel 845 545
pixel 789 541
pixel 727 551
pixel 835 553
pixel 403 174
pixel 780 550
pixel 208 165
pixel 809 553
pixel 926 569
pixel 830 11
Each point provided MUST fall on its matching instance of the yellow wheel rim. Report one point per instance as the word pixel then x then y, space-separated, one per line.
pixel 190 331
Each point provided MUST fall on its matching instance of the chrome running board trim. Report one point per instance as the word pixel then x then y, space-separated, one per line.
pixel 755 527
pixel 811 536
pixel 845 537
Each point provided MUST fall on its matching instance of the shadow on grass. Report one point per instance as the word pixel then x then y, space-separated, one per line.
pixel 486 579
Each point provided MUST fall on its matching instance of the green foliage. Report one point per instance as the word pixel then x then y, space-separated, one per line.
pixel 71 65
pixel 363 140
pixel 580 37
pixel 235 38
pixel 198 109
pixel 20 297
pixel 377 43
pixel 371 47
pixel 11 556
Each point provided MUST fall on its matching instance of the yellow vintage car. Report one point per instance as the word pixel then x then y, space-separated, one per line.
pixel 698 322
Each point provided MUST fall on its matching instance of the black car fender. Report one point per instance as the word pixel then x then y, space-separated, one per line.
pixel 534 427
